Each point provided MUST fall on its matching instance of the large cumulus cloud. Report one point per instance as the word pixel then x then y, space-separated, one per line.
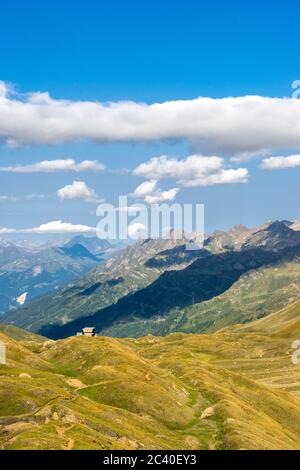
pixel 247 124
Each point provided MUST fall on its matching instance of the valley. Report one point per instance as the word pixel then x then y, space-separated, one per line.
pixel 159 287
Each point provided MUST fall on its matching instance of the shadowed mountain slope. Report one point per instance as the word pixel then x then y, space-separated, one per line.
pixel 202 280
pixel 105 285
pixel 158 286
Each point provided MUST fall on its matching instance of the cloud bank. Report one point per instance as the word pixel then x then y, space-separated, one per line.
pixel 277 163
pixel 57 226
pixel 193 171
pixel 27 197
pixel 5 198
pixel 51 166
pixel 235 125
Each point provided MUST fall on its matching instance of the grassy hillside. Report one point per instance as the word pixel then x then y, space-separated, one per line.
pixel 285 323
pixel 255 294
pixel 19 334
pixel 236 389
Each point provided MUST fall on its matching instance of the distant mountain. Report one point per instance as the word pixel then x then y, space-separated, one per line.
pixel 275 236
pixel 232 239
pixel 145 249
pixel 94 245
pixel 271 235
pixel 9 252
pixel 78 251
pixel 28 273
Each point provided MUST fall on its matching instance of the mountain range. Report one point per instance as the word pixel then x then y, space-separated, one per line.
pixel 158 287
pixel 94 245
pixel 28 271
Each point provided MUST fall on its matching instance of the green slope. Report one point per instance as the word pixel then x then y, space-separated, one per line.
pixel 20 334
pixel 231 390
pixel 285 323
pixel 256 294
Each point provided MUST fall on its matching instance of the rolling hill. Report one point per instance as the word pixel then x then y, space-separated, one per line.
pixel 236 389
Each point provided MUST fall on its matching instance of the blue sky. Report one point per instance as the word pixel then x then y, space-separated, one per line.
pixel 146 52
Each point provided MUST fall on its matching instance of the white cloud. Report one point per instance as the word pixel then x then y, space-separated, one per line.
pixel 90 165
pixel 50 166
pixel 144 189
pixel 4 230
pixel 149 192
pixel 275 163
pixel 161 196
pixel 5 198
pixel 78 190
pixel 57 226
pixel 28 197
pixel 246 124
pixel 195 170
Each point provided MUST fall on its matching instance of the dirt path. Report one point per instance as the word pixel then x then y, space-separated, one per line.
pixel 61 433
